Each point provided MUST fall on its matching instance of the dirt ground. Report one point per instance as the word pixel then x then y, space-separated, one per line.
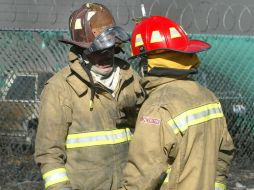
pixel 21 173
pixel 241 179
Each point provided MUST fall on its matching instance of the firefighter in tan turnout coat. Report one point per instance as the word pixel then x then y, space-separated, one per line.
pixel 181 140
pixel 87 107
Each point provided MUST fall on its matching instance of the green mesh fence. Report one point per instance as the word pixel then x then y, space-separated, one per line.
pixel 227 69
pixel 29 58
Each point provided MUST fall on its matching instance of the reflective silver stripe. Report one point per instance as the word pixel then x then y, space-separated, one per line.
pixel 55 176
pixel 98 138
pixel 195 116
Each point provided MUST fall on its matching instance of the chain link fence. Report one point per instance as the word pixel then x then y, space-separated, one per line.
pixel 29 58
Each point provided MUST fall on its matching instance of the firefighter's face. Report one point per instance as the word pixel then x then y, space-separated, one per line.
pixel 102 61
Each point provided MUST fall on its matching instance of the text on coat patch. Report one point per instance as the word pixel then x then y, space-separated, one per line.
pixel 150 120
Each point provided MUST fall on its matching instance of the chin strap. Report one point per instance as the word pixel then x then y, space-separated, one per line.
pixel 143 61
pixel 91 103
pixel 85 65
pixel 144 65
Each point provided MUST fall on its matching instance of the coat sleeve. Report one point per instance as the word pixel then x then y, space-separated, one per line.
pixel 225 156
pixel 138 95
pixel 50 139
pixel 139 90
pixel 147 160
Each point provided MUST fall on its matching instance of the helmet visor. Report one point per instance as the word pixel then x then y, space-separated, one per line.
pixel 109 38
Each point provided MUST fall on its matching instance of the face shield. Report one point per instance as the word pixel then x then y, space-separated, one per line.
pixel 107 39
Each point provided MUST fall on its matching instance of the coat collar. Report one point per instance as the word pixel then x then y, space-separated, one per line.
pixel 79 80
pixel 152 82
pixel 126 72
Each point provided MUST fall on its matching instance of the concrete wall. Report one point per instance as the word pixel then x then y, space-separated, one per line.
pixel 196 16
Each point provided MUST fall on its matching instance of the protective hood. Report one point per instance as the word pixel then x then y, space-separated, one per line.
pixel 173 60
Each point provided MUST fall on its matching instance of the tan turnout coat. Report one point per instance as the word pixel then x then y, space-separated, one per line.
pixel 180 130
pixel 79 148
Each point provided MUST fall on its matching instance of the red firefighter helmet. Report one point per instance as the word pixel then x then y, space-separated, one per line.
pixel 161 33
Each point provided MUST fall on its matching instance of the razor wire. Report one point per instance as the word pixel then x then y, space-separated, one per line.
pixel 29 58
pixel 196 16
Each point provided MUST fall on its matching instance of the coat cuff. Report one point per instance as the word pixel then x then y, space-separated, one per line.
pixel 220 186
pixel 55 176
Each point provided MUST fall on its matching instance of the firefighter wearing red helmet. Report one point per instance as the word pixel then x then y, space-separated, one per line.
pixel 87 107
pixel 181 140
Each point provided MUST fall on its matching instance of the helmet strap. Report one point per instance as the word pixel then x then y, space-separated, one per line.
pixel 144 66
pixel 85 65
pixel 143 61
pixel 83 59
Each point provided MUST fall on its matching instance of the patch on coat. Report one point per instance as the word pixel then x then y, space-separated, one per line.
pixel 150 120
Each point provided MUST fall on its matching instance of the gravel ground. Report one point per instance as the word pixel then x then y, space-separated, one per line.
pixel 241 179
pixel 21 173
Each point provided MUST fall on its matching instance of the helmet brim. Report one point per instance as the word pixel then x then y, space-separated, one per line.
pixel 79 44
pixel 194 46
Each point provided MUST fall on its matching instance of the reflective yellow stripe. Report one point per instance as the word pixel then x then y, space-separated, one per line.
pixel 195 116
pixel 98 138
pixel 166 179
pixel 220 186
pixel 138 41
pixel 55 176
